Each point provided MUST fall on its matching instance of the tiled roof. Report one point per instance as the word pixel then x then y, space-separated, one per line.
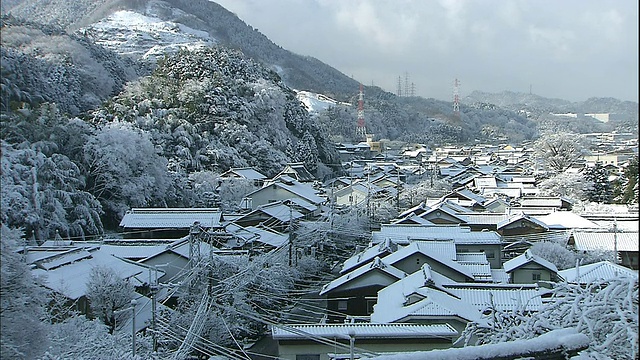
pixel 519 217
pixel 587 241
pixel 248 173
pixel 361 331
pixel 603 270
pixel 375 265
pixel 71 279
pixel 421 247
pixel 526 258
pixel 505 298
pixel 170 218
pixel 403 234
pixel 567 220
pixel 383 248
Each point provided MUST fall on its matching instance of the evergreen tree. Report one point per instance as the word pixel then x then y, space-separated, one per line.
pixel 599 188
pixel 626 187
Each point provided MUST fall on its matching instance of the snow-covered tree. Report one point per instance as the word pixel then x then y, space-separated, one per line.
pixel 555 253
pixel 569 185
pixel 605 311
pixel 44 194
pixel 626 187
pixel 124 169
pixel 107 293
pixel 559 151
pixel 22 333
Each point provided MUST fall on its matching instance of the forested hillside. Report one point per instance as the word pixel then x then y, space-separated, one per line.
pixel 75 172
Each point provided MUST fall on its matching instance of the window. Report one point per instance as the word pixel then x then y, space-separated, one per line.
pixel 342 304
pixel 490 254
pixel 308 357
pixel 370 304
pixel 536 276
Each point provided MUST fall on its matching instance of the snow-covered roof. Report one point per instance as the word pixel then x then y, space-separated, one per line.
pixel 383 248
pixel 429 303
pixel 481 218
pixel 133 251
pixel 413 219
pixel 280 211
pixel 603 270
pixel 593 240
pixel 171 218
pixel 499 276
pixel 375 265
pixel 403 234
pixel 426 249
pixel 361 331
pixel 558 236
pixel 526 258
pixel 503 297
pixel 297 188
pixel 567 220
pixel 70 279
pixel 517 217
pixel 246 173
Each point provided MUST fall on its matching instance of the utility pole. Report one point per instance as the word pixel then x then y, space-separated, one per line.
pixel 133 328
pixel 290 237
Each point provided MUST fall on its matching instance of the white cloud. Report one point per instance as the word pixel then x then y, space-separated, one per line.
pixel 492 45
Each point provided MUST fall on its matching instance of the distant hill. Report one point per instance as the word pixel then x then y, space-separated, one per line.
pixel 145 30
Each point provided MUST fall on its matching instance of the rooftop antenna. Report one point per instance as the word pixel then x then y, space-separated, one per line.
pixel 361 132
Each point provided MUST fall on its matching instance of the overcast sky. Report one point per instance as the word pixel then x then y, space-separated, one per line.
pixel 568 49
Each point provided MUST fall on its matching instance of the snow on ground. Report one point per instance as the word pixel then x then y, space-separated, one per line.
pixel 132 33
pixel 317 102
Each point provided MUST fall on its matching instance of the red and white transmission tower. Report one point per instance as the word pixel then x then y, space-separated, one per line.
pixel 456 99
pixel 361 132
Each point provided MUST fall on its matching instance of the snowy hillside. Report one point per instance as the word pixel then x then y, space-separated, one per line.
pixel 315 103
pixel 146 35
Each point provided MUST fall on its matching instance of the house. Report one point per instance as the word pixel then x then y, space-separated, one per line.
pixel 168 223
pixel 258 239
pixel 67 270
pixel 356 194
pixel 284 188
pixel 365 256
pixel 275 215
pixel 521 224
pixel 465 240
pixel 247 173
pixel 173 259
pixel 296 171
pixel 332 341
pixel 599 271
pixel 467 198
pixel 557 202
pixel 515 245
pixel 437 254
pixel 354 294
pixel 427 297
pixel 624 243
pixel 529 269
pixel 564 220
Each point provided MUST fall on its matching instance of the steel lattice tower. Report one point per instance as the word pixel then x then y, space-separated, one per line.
pixel 361 132
pixel 456 99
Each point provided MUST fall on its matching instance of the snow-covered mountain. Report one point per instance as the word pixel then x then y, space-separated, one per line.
pixel 145 35
pixel 315 103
